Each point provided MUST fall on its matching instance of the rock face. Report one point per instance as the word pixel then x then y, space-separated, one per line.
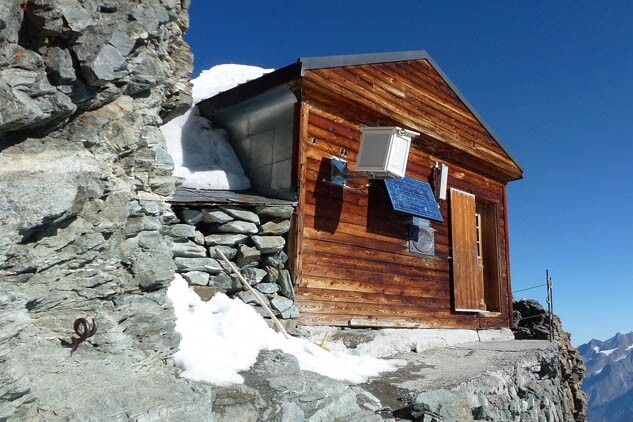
pixel 84 86
pixel 531 321
pixel 481 381
pixel 276 390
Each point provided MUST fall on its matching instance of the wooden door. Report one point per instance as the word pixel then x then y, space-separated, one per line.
pixel 468 275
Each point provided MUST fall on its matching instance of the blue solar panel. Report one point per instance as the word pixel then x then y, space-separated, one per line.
pixel 413 197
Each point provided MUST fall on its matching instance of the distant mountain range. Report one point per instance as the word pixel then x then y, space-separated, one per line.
pixel 609 378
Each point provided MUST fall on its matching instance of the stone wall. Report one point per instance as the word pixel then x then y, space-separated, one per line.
pixel 254 239
pixel 84 87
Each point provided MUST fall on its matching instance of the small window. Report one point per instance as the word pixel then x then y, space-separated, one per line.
pixel 478 233
pixel 421 237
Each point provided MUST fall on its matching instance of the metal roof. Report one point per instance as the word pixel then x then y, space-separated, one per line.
pixel 324 62
pixel 296 70
pixel 207 197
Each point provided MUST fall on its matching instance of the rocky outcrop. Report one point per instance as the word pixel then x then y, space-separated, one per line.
pixel 84 173
pixel 481 381
pixel 275 389
pixel 531 321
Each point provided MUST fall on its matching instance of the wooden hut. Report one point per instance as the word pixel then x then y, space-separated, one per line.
pixel 356 256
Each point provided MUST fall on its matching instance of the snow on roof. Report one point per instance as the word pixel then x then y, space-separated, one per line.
pixel 223 336
pixel 203 155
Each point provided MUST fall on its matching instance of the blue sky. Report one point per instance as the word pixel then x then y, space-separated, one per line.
pixel 554 80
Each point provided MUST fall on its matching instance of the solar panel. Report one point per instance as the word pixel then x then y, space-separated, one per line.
pixel 414 197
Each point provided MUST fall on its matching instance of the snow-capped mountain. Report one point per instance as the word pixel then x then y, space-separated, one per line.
pixel 609 378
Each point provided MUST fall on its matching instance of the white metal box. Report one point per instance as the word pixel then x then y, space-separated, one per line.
pixel 384 152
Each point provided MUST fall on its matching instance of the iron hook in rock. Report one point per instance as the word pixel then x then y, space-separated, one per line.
pixel 84 330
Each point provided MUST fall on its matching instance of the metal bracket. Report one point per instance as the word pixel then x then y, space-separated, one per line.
pixel 340 174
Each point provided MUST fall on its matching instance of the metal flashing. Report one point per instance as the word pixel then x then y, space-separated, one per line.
pixel 324 62
pixel 207 197
pixel 248 90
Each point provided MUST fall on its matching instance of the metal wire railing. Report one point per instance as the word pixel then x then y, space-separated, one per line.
pixel 550 302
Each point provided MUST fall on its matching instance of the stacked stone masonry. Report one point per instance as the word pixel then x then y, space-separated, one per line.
pixel 254 239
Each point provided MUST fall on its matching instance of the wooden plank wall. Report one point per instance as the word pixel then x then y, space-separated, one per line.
pixel 354 258
pixel 355 262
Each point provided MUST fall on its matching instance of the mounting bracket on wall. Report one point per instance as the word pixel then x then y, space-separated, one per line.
pixel 340 174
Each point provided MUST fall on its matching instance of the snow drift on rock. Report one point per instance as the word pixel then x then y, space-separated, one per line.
pixel 223 336
pixel 203 155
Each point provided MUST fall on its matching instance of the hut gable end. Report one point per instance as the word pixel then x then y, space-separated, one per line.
pixel 413 94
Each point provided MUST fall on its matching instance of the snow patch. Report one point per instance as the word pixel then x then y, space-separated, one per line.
pixel 609 351
pixel 203 155
pixel 629 347
pixel 598 371
pixel 222 78
pixel 596 349
pixel 223 336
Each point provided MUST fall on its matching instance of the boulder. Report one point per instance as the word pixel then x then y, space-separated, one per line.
pixel 207 265
pixel 272 212
pixel 247 256
pixel 281 304
pixel 277 229
pixel 188 250
pixel 197 278
pixel 267 288
pixel 59 66
pixel 181 231
pixel 253 275
pixel 242 227
pixel 249 297
pixel 190 216
pixel 229 252
pixel 269 244
pixel 226 282
pixel 198 238
pixel 272 274
pixel 215 215
pixel 291 313
pixel 286 287
pixel 241 214
pixel 277 260
pixel 225 239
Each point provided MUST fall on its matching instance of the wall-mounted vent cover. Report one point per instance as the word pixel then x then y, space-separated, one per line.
pixel 384 152
pixel 421 237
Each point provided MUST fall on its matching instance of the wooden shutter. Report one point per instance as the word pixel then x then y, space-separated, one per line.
pixel 468 283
